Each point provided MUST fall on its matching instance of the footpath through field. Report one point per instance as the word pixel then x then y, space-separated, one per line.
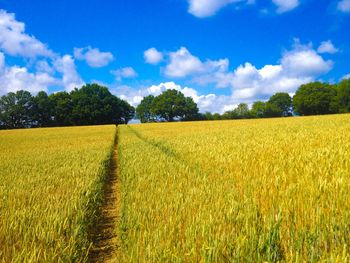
pixel 104 235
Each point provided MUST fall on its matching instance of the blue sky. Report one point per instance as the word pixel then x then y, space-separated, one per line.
pixel 220 52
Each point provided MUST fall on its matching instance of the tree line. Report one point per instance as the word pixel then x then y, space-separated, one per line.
pixel 314 98
pixel 92 104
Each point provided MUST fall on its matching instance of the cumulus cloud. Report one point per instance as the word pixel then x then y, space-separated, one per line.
pixel 61 74
pixel 247 83
pixel 207 102
pixel 285 5
pixel 93 56
pixel 206 8
pixel 182 63
pixel 18 78
pixel 327 47
pixel 344 6
pixel 46 68
pixel 127 72
pixel 297 66
pixel 14 41
pixel 153 56
pixel 304 61
pixel 70 77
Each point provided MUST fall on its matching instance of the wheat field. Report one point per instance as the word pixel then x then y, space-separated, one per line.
pixel 269 190
pixel 236 191
pixel 50 189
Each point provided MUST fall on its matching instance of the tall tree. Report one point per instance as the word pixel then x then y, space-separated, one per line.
pixel 258 109
pixel 272 110
pixel 314 98
pixel 62 107
pixel 341 101
pixel 127 112
pixel 172 104
pixel 16 110
pixel 242 111
pixel 283 101
pixel 144 110
pixel 42 110
pixel 190 110
pixel 94 104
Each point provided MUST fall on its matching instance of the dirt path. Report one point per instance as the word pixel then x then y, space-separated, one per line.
pixel 105 238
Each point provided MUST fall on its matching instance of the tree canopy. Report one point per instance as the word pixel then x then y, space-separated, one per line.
pixel 283 102
pixel 169 106
pixel 144 110
pixel 92 104
pixel 341 102
pixel 314 98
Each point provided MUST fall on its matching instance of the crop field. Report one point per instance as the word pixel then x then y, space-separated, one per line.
pixel 50 189
pixel 249 190
pixel 268 190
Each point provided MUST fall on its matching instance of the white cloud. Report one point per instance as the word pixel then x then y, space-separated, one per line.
pixel 285 5
pixel 297 66
pixel 14 41
pixel 304 61
pixel 344 6
pixel 40 74
pixel 206 8
pixel 208 102
pixel 127 72
pixel 153 56
pixel 327 47
pixel 93 56
pixel 18 78
pixel 300 65
pixel 347 76
pixel 70 76
pixel 44 66
pixel 2 61
pixel 182 63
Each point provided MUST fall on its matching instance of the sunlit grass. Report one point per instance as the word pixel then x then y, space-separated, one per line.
pixel 50 190
pixel 250 190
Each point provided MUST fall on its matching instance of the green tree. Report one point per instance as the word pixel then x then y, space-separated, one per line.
pixel 172 104
pixel 272 110
pixel 190 110
pixel 242 111
pixel 341 101
pixel 42 110
pixel 143 110
pixel 94 104
pixel 258 109
pixel 283 101
pixel 62 107
pixel 229 115
pixel 16 110
pixel 127 112
pixel 314 98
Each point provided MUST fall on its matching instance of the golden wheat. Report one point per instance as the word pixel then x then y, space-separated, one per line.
pixel 50 190
pixel 250 190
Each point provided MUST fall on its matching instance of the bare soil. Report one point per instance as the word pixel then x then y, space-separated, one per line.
pixel 104 235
